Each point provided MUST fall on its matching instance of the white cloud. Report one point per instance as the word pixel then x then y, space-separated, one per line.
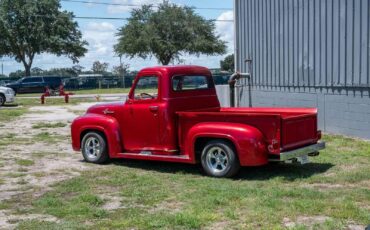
pixel 101 38
pixel 226 29
pixel 128 5
pixel 103 26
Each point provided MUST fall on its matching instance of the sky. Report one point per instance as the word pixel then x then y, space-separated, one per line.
pixel 100 34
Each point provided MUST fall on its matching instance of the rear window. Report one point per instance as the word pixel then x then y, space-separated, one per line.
pixel 186 82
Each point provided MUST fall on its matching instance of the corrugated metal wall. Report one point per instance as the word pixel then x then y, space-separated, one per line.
pixel 304 43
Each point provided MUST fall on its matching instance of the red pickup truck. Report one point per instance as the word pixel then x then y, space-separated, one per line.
pixel 173 114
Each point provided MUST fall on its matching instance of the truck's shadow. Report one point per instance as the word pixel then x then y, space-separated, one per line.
pixel 287 171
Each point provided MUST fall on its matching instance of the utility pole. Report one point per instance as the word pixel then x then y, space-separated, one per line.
pixel 123 71
pixel 2 66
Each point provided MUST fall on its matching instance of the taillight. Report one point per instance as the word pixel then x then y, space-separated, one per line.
pixel 318 134
pixel 274 146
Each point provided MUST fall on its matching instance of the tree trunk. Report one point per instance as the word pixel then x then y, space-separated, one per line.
pixel 27 65
pixel 27 69
pixel 165 60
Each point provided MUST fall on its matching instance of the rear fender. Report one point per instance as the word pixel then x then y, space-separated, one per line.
pixel 248 141
pixel 96 122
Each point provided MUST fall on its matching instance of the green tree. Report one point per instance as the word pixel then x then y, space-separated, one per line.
pixel 32 27
pixel 37 71
pixel 99 67
pixel 17 74
pixel 120 69
pixel 228 63
pixel 63 72
pixel 167 33
pixel 78 69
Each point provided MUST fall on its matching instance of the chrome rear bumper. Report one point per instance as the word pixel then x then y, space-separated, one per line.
pixel 302 151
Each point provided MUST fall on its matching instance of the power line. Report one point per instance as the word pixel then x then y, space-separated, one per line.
pixel 114 18
pixel 117 18
pixel 135 5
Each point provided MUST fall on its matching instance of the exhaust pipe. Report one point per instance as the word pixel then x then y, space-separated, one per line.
pixel 232 81
pixel 234 87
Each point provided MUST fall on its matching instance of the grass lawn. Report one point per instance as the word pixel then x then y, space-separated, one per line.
pixel 85 91
pixel 332 192
pixel 329 193
pixel 101 91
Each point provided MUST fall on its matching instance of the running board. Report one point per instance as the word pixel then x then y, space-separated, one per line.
pixel 169 158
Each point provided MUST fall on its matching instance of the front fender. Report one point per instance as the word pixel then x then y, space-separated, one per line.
pixel 106 124
pixel 248 141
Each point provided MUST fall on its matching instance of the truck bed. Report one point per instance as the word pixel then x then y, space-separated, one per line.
pixel 293 127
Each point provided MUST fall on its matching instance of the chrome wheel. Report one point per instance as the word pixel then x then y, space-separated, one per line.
pixel 93 148
pixel 217 159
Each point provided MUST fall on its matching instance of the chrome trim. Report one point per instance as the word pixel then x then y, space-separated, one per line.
pixel 107 111
pixel 171 150
pixel 302 151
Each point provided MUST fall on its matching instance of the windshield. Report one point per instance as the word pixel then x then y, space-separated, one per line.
pixel 20 80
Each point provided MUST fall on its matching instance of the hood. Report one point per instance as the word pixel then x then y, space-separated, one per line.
pixel 4 88
pixel 105 108
pixel 11 84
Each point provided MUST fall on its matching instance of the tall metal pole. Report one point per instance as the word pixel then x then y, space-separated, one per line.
pixel 250 70
pixel 123 72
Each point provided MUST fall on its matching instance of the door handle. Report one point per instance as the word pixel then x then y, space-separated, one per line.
pixel 153 108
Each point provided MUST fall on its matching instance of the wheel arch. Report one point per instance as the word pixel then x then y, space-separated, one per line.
pixel 248 141
pixel 201 141
pixel 107 126
pixel 102 133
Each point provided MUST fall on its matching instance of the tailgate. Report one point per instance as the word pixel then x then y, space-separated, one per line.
pixel 298 131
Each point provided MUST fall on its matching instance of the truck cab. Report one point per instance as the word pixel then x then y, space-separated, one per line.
pixel 172 113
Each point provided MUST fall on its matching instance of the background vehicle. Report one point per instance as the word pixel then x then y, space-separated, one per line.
pixel 35 84
pixel 173 114
pixel 6 95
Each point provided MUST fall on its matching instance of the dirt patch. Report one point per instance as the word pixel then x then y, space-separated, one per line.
pixel 52 161
pixel 326 186
pixel 172 206
pixel 112 202
pixel 218 226
pixel 9 221
pixel 308 221
pixel 354 226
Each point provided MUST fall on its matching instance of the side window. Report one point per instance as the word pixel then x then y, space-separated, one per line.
pixel 146 88
pixel 27 80
pixel 181 83
pixel 32 80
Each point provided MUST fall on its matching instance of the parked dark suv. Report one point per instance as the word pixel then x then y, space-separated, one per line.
pixel 35 84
